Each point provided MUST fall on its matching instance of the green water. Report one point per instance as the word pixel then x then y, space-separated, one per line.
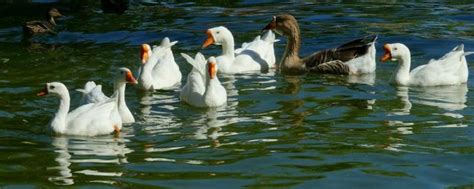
pixel 310 131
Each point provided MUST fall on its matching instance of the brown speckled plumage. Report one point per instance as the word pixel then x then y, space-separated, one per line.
pixel 42 26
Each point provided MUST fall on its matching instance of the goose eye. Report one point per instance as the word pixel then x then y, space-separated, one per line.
pixel 51 87
pixel 395 48
pixel 218 32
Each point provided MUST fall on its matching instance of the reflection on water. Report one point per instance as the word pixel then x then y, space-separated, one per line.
pixel 157 107
pixel 293 84
pixel 368 79
pixel 95 152
pixel 402 95
pixel 64 161
pixel 275 131
pixel 449 98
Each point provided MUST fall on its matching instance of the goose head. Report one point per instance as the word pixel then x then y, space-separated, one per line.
pixel 284 24
pixel 124 75
pixel 212 67
pixel 395 51
pixel 54 88
pixel 145 53
pixel 217 36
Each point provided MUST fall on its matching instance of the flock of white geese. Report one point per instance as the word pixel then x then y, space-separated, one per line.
pixel 99 114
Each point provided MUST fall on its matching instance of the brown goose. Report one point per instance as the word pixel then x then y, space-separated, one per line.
pixel 42 26
pixel 354 57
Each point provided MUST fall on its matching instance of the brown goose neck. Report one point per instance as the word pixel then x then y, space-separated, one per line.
pixel 293 44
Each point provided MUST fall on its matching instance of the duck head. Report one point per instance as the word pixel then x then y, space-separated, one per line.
pixel 284 24
pixel 394 51
pixel 54 88
pixel 53 12
pixel 217 36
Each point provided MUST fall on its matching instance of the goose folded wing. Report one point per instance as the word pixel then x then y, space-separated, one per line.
pixel 331 67
pixel 344 53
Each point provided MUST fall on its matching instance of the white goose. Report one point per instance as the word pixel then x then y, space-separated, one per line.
pixel 159 69
pixel 203 89
pixel 92 93
pixel 87 120
pixel 195 83
pixel 451 69
pixel 257 55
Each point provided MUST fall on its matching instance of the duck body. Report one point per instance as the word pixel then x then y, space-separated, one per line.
pixel 42 26
pixel 203 89
pixel 87 120
pixel 159 69
pixel 92 94
pixel 257 55
pixel 354 57
pixel 38 26
pixel 451 69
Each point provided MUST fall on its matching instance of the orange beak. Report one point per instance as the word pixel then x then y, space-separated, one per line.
pixel 212 70
pixel 387 55
pixel 130 79
pixel 209 40
pixel 144 55
pixel 271 25
pixel 43 92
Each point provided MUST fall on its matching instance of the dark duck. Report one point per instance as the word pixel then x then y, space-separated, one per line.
pixel 42 26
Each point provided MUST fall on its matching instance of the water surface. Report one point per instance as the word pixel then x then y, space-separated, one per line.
pixel 276 131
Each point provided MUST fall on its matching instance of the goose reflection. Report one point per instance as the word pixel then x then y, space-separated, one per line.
pixel 209 125
pixel 402 95
pixel 294 85
pixel 448 98
pixel 64 161
pixel 157 107
pixel 93 151
pixel 368 79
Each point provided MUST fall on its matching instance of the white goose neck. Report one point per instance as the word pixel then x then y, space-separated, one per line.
pixel 211 86
pixel 145 71
pixel 120 90
pixel 58 124
pixel 211 83
pixel 145 79
pixel 402 75
pixel 228 46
